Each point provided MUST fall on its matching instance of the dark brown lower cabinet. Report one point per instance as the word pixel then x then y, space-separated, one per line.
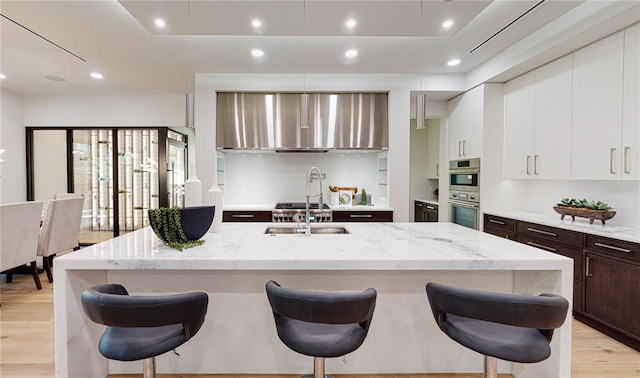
pixel 362 216
pixel 246 216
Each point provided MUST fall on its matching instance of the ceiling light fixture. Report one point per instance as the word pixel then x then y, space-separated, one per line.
pixel 351 53
pixel 96 75
pixel 447 24
pixel 2 76
pixel 453 62
pixel 55 78
pixel 421 100
pixel 160 23
pixel 256 23
pixel 257 53
pixel 351 23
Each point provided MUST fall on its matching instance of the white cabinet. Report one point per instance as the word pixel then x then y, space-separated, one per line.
pixel 597 110
pixel 519 126
pixel 465 124
pixel 631 105
pixel 538 123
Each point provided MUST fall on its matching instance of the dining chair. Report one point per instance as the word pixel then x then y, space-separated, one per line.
pixel 60 230
pixel 19 226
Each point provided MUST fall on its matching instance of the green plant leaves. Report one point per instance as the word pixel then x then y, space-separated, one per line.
pixel 166 223
pixel 584 204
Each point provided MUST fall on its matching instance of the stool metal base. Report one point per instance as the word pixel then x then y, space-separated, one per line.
pixel 490 367
pixel 149 367
pixel 318 369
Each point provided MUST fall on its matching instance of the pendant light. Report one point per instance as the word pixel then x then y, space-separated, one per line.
pixel 189 100
pixel 421 101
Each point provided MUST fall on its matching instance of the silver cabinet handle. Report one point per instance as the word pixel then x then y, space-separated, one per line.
pixel 612 169
pixel 459 148
pixel 464 148
pixel 542 246
pixel 614 248
pixel 495 221
pixel 430 207
pixel 587 269
pixel 541 232
pixel 243 215
pixel 535 164
pixel 437 169
pixel 360 216
pixel 528 164
pixel 627 150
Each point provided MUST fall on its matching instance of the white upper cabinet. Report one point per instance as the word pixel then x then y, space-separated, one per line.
pixel 519 126
pixel 465 124
pixel 631 105
pixel 552 158
pixel 538 123
pixel 597 110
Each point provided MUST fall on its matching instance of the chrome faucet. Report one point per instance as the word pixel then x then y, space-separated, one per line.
pixel 314 174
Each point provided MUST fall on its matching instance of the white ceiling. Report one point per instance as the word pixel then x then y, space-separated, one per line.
pixel 119 39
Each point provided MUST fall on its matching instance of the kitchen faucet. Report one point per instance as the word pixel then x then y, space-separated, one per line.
pixel 314 174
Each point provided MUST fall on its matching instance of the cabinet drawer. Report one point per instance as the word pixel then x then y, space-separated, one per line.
pixel 246 216
pixel 612 247
pixel 556 235
pixel 560 249
pixel 362 216
pixel 499 232
pixel 505 224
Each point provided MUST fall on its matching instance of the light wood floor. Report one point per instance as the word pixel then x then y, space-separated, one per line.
pixel 27 347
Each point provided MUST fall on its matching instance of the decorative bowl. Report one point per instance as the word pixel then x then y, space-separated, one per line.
pixel 195 222
pixel 601 215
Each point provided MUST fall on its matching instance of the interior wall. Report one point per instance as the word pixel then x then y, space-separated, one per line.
pixel 13 172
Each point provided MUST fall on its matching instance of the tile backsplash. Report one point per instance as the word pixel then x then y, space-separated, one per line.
pixel 269 177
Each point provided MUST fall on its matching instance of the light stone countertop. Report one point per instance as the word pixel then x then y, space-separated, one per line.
pixel 370 246
pixel 432 201
pixel 608 230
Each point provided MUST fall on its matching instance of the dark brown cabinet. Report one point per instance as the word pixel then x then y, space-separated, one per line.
pixel 499 226
pixel 362 216
pixel 425 212
pixel 246 216
pixel 606 285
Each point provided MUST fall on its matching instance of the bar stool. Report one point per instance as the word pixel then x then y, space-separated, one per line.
pixel 321 324
pixel 142 327
pixel 510 327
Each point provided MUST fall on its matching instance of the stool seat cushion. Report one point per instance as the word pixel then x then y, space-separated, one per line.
pixel 506 342
pixel 138 343
pixel 319 339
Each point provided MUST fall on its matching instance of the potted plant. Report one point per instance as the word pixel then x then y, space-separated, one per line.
pixel 181 228
pixel 584 209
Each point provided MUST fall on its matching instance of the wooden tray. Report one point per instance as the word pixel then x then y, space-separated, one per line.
pixel 601 215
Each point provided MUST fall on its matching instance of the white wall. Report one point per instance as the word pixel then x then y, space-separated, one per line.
pixel 13 172
pixel 267 178
pixel 399 88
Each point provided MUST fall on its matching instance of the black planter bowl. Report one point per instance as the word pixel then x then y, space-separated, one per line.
pixel 195 221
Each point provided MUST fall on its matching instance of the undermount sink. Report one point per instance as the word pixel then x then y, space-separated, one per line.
pixel 279 230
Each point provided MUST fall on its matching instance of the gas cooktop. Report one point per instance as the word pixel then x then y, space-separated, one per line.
pixel 299 206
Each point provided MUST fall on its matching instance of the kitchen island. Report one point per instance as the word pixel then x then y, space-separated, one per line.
pixel 239 336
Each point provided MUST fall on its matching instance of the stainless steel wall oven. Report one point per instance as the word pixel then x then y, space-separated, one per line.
pixel 464 193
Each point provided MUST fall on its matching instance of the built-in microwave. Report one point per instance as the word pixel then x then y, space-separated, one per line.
pixel 464 175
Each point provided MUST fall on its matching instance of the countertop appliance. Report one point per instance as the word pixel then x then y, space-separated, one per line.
pixel 295 212
pixel 425 212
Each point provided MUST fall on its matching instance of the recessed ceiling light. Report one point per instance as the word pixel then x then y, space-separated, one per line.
pixel 96 75
pixel 351 23
pixel 160 23
pixel 256 23
pixel 2 76
pixel 447 24
pixel 453 62
pixel 351 53
pixel 257 53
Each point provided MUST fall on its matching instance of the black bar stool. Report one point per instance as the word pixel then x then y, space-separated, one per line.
pixel 510 327
pixel 142 327
pixel 321 324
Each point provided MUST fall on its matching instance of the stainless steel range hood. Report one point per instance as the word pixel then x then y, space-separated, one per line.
pixel 274 121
